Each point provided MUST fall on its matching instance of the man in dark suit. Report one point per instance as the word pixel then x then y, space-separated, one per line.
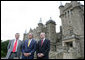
pixel 29 47
pixel 43 47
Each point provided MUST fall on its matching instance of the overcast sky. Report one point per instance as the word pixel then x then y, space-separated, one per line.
pixel 18 16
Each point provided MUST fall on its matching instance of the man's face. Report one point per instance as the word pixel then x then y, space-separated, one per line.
pixel 17 36
pixel 42 36
pixel 30 36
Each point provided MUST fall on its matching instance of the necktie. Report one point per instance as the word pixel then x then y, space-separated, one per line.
pixel 41 42
pixel 28 43
pixel 15 44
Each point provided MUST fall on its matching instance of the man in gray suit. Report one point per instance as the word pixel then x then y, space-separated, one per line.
pixel 14 48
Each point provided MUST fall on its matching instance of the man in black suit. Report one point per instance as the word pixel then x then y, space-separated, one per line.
pixel 43 47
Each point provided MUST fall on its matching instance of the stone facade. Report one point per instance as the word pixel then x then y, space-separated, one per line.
pixel 72 16
pixel 69 42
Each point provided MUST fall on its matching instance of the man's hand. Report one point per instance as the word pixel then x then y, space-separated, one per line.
pixel 27 54
pixel 40 54
pixel 24 54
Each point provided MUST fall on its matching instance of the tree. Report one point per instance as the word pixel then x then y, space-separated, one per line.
pixel 4 48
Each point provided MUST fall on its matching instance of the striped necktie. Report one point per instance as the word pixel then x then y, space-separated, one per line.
pixel 41 42
pixel 28 43
pixel 15 45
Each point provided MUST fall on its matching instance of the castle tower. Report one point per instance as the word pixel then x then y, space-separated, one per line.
pixel 30 31
pixel 51 33
pixel 61 8
pixel 60 35
pixel 25 35
pixel 39 29
pixel 40 24
pixel 72 16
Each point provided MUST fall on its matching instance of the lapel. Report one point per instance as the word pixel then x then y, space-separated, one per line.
pixel 17 43
pixel 13 42
pixel 40 43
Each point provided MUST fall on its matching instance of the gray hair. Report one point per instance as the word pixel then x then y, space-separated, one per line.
pixel 17 33
pixel 42 33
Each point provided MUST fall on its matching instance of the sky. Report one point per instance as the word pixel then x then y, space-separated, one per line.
pixel 18 16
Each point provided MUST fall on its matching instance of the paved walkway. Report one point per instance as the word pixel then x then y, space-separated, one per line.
pixel 3 58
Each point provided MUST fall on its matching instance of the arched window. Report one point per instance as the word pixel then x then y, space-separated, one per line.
pixel 65 14
pixel 71 12
pixel 68 13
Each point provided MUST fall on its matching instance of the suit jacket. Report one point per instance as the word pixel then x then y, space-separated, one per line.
pixel 45 48
pixel 10 48
pixel 31 49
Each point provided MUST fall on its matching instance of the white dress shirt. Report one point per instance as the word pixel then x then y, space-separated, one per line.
pixel 43 39
pixel 30 40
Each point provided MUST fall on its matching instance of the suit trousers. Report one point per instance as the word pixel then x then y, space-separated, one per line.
pixel 13 55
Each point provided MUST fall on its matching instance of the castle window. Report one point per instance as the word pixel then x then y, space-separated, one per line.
pixel 69 44
pixel 71 12
pixel 68 13
pixel 69 21
pixel 65 14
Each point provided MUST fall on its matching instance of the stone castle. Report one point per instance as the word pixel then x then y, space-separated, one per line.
pixel 69 42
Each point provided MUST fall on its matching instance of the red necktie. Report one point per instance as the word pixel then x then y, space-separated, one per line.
pixel 41 42
pixel 14 48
